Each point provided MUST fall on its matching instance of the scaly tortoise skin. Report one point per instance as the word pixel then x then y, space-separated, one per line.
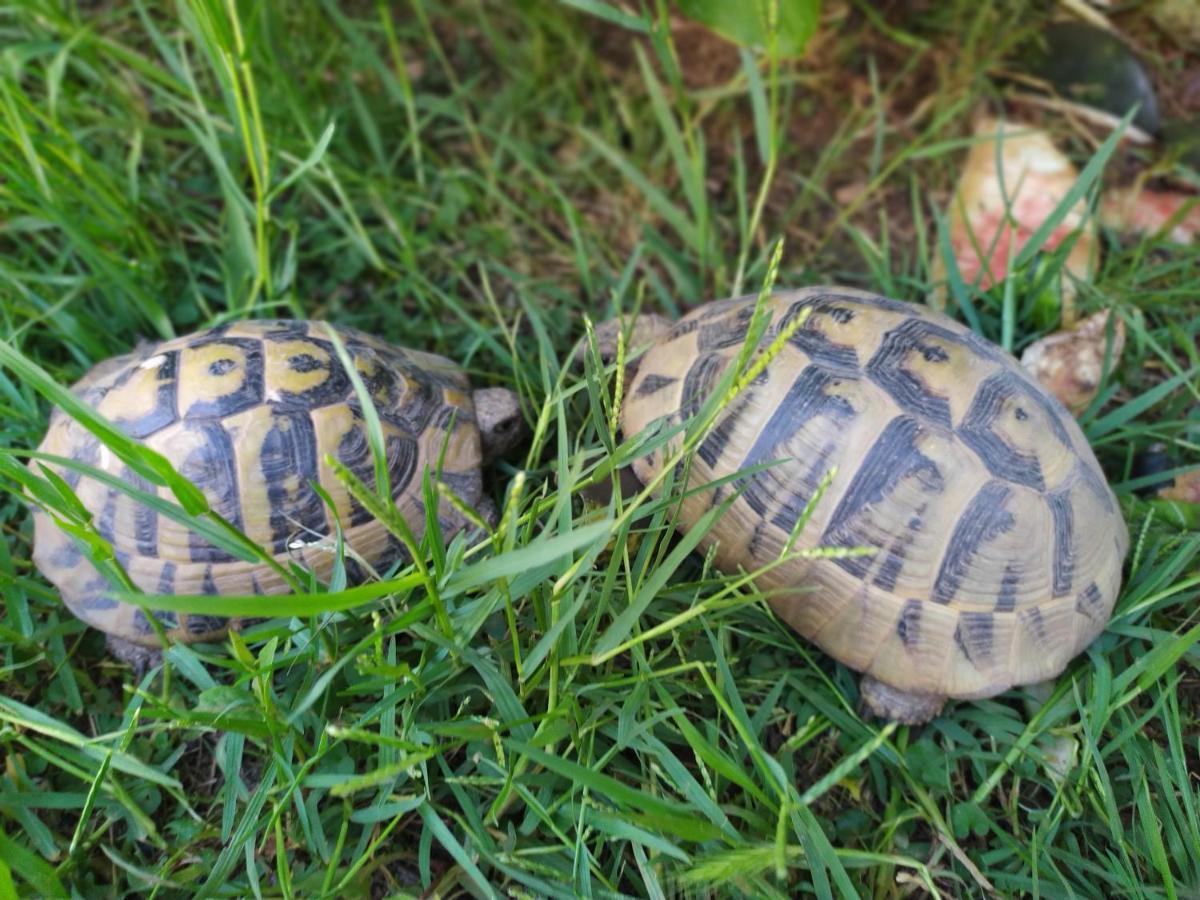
pixel 248 412
pixel 998 544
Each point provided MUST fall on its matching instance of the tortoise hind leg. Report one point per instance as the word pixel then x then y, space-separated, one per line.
pixel 905 707
pixel 142 659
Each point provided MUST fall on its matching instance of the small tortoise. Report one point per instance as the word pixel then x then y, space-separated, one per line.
pixel 997 543
pixel 248 412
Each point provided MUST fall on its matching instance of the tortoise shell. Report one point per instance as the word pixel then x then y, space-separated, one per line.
pixel 248 412
pixel 995 544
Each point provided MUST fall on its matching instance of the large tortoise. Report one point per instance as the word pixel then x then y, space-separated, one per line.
pixel 996 543
pixel 248 412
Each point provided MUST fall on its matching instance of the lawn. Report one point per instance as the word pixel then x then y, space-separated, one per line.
pixel 605 713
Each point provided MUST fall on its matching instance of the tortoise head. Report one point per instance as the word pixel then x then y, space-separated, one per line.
pixel 641 331
pixel 501 425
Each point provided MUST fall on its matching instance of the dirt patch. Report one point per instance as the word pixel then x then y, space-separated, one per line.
pixel 705 59
pixel 1174 68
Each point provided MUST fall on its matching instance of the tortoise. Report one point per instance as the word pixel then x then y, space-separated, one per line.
pixel 995 545
pixel 248 412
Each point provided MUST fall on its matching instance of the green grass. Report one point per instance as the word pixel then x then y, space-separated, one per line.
pixel 579 706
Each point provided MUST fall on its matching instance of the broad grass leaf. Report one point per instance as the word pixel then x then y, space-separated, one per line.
pixel 747 23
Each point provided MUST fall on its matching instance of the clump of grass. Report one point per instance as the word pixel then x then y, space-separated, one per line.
pixel 588 708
